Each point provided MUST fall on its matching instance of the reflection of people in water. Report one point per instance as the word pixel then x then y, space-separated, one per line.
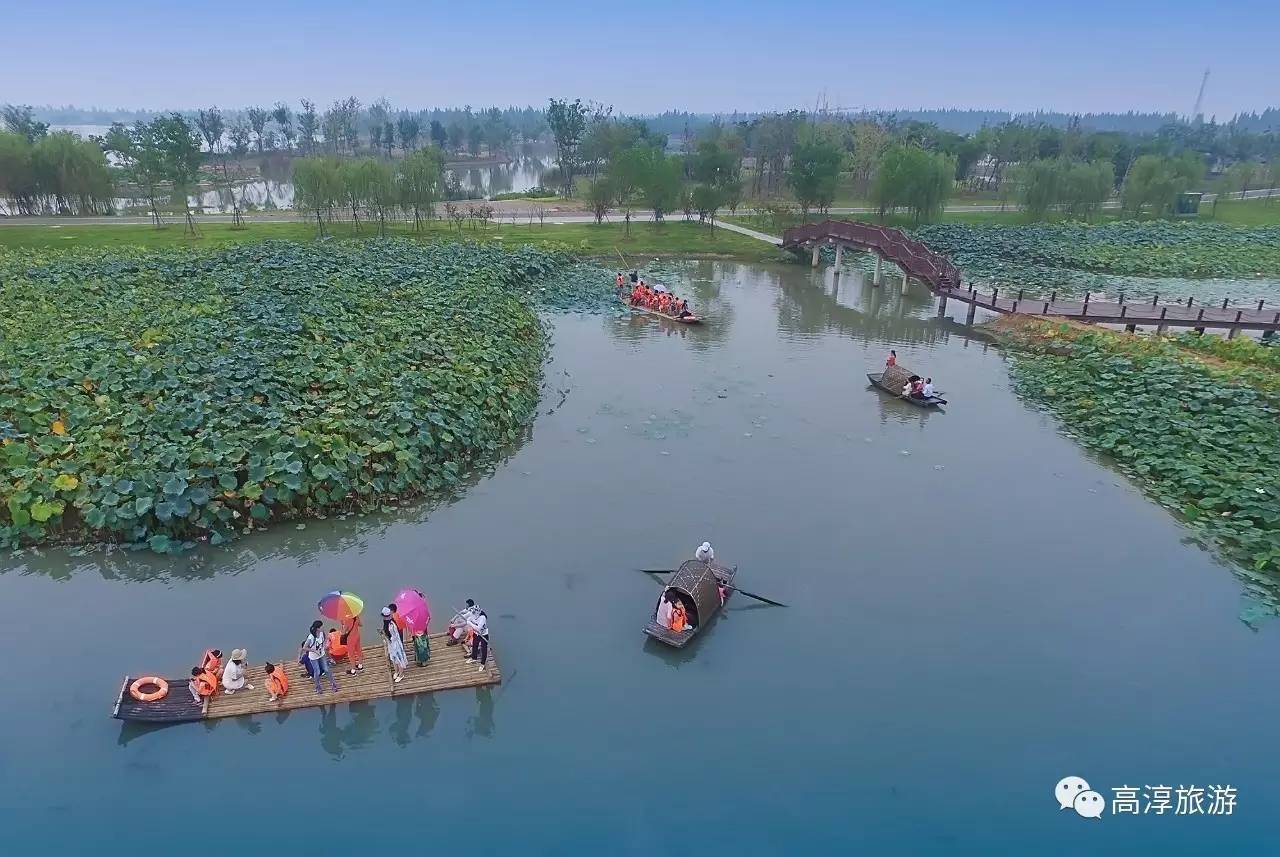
pixel 481 723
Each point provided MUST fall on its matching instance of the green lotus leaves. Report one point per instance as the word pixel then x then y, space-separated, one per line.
pixel 175 396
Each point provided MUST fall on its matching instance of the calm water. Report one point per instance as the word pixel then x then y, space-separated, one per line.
pixel 978 609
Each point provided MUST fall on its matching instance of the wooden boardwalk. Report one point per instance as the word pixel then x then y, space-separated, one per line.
pixel 1150 314
pixel 446 670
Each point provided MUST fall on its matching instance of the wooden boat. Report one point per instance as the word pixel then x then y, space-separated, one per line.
pixel 688 319
pixel 893 379
pixel 695 583
pixel 446 669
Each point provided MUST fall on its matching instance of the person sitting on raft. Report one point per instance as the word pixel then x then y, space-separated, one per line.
pixel 233 674
pixel 917 388
pixel 202 685
pixel 457 627
pixel 927 391
pixel 909 387
pixel 663 616
pixel 211 661
pixel 679 618
pixel 336 648
pixel 277 681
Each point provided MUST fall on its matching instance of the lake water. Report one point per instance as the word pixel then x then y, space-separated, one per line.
pixel 978 609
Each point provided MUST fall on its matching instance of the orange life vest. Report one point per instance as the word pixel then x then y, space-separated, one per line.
pixel 679 619
pixel 278 681
pixel 336 647
pixel 211 663
pixel 401 623
pixel 206 683
pixel 620 281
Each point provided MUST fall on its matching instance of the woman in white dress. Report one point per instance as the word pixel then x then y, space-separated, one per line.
pixel 233 678
pixel 395 646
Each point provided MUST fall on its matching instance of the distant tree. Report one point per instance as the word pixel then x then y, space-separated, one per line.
pixel 1087 186
pixel 457 137
pixel 1155 182
pixel 258 117
pixel 179 147
pixel 409 130
pixel 238 135
pixel 70 173
pixel 389 136
pixel 140 160
pixel 17 173
pixel 475 138
pixel 18 120
pixel 211 126
pixel 661 183
pixel 814 173
pixel 381 190
pixel 283 117
pixel 355 188
pixel 420 179
pixel 706 199
pixel 308 127
pixel 1038 185
pixel 910 177
pixel 568 121
pixel 375 136
pixel 318 187
pixel 1240 176
pixel 439 136
pixel 600 195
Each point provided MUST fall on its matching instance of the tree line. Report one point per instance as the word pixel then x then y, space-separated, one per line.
pixel 50 173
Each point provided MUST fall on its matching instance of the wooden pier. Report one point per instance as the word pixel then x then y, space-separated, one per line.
pixel 1131 315
pixel 446 670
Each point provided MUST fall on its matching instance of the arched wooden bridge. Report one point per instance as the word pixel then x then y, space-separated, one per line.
pixel 918 261
pixel 914 258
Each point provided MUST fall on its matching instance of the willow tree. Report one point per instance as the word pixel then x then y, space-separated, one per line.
pixel 317 187
pixel 420 178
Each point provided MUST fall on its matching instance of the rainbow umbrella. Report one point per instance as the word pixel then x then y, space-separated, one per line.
pixel 341 606
pixel 412 605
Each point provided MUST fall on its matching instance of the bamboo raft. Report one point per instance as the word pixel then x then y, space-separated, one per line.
pixel 445 670
pixel 688 319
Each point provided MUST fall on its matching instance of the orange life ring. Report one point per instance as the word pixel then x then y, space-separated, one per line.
pixel 160 692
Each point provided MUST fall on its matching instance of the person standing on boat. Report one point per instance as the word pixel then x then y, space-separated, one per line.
pixel 705 553
pixel 892 359
pixel 395 646
pixel 479 626
pixel 663 616
pixel 233 676
pixel 315 647
pixel 355 652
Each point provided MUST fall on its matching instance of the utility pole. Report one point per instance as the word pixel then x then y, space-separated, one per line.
pixel 1197 114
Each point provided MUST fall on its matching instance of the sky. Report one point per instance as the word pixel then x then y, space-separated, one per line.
pixel 648 55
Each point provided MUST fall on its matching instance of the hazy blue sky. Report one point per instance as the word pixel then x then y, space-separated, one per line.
pixel 647 55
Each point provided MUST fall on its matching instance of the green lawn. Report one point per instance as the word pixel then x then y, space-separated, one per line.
pixel 674 238
pixel 1246 212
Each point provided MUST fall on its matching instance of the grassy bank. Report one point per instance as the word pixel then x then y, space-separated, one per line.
pixel 673 238
pixel 1196 425
pixel 166 397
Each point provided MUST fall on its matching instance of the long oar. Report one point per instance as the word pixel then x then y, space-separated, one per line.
pixel 725 585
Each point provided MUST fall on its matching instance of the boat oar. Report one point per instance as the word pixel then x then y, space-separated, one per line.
pixel 725 585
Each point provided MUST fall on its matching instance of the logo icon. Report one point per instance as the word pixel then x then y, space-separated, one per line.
pixel 1074 793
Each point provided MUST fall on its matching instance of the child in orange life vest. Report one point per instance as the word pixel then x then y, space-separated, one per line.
pixel 202 684
pixel 679 617
pixel 337 648
pixel 211 661
pixel 277 681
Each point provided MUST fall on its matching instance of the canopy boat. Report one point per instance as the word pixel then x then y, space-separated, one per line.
pixel 894 378
pixel 688 319
pixel 697 585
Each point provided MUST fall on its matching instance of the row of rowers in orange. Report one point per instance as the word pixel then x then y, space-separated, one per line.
pixel 664 302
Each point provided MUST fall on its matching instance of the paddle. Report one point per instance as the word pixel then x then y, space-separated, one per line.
pixel 725 585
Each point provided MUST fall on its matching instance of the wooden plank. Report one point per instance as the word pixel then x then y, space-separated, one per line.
pixel 124 688
pixel 446 670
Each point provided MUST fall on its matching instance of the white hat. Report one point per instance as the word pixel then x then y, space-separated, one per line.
pixel 239 654
pixel 705 546
pixel 386 611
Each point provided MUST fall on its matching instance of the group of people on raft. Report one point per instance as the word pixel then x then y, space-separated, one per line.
pixel 320 652
pixel 673 614
pixel 916 387
pixel 657 299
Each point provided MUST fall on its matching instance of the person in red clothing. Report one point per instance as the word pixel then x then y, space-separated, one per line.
pixel 892 359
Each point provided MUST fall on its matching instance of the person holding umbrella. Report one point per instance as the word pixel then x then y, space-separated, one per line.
pixel 345 608
pixel 412 608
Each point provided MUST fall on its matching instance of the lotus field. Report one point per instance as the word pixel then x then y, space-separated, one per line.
pixel 1203 439
pixel 1206 261
pixel 166 398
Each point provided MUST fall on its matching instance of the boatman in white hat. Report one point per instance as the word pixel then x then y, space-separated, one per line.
pixel 704 553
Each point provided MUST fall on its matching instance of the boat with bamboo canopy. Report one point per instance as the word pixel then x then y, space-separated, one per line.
pixel 894 378
pixel 696 585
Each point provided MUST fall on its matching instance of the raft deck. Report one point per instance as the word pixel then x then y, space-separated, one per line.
pixel 446 670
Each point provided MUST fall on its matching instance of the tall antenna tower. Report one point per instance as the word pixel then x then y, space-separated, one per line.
pixel 1197 114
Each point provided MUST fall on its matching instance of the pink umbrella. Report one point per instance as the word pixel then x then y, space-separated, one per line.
pixel 412 605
